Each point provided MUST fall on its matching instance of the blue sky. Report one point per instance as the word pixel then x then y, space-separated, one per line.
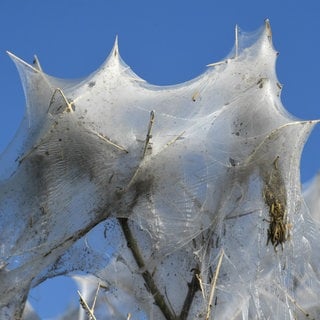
pixel 164 42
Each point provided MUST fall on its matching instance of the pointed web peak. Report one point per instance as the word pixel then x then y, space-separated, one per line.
pixel 115 63
pixel 267 32
pixel 255 41
pixel 268 27
pixel 115 49
pixel 19 62
pixel 28 72
pixel 258 42
pixel 236 33
pixel 114 56
pixel 36 63
pixel 266 44
pixel 114 60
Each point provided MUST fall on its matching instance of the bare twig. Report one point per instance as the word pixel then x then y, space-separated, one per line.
pixel 85 306
pixel 200 284
pixel 217 63
pixel 149 135
pixel 241 215
pixel 147 145
pixel 69 105
pixel 213 285
pixel 174 139
pixel 36 63
pixel 236 32
pixel 95 298
pixel 107 140
pixel 193 288
pixel 150 283
pixel 300 308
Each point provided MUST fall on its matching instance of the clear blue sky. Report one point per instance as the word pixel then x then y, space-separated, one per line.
pixel 164 42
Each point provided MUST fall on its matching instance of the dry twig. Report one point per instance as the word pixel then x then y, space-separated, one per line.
pixel 213 285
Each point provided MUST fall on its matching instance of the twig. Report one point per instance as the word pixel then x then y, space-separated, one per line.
pixel 150 283
pixel 69 104
pixel 145 148
pixel 149 135
pixel 36 63
pixel 217 63
pixel 174 139
pixel 213 285
pixel 200 285
pixel 236 31
pixel 85 306
pixel 240 215
pixel 71 109
pixel 193 288
pixel 95 298
pixel 105 139
pixel 300 308
pixel 68 108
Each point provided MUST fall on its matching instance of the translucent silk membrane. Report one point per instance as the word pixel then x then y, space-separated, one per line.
pixel 176 202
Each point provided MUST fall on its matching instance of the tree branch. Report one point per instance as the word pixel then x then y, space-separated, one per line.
pixel 150 283
pixel 194 286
